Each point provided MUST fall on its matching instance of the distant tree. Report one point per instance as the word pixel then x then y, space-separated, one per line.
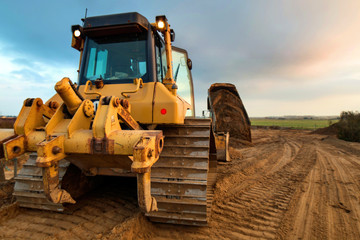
pixel 349 126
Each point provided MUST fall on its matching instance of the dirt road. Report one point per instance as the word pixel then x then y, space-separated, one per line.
pixel 290 185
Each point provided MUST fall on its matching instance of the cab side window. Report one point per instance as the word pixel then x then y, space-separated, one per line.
pixel 160 59
pixel 182 76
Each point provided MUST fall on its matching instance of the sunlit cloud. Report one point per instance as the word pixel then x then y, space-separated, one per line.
pixel 285 57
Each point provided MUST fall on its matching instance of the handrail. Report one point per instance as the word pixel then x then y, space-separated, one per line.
pixel 86 89
pixel 139 83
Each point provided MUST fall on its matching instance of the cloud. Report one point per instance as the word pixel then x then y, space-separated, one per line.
pixel 276 52
pixel 23 79
pixel 322 106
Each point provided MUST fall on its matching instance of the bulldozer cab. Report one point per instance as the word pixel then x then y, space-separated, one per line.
pixel 116 59
pixel 120 48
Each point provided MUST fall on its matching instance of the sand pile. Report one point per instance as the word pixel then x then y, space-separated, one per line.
pixel 330 130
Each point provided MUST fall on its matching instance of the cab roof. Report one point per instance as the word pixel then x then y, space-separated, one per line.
pixel 115 24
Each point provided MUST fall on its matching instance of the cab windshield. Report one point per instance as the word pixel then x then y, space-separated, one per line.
pixel 115 59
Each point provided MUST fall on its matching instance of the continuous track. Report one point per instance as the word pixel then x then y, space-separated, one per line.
pixel 29 186
pixel 182 179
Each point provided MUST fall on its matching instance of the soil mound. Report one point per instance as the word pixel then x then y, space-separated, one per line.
pixel 7 122
pixel 330 130
pixel 229 111
pixel 6 190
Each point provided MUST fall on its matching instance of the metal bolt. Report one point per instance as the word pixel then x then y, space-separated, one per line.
pixel 125 103
pixel 56 150
pixel 116 102
pixel 53 104
pixel 39 103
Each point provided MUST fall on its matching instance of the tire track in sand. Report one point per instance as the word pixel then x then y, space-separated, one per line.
pixel 95 215
pixel 257 212
pixel 328 205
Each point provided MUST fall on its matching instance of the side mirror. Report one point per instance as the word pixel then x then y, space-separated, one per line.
pixel 189 63
pixel 172 35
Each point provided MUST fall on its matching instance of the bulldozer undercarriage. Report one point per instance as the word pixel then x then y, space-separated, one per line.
pixel 182 179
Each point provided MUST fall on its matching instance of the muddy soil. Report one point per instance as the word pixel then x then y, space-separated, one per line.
pixel 289 185
pixel 7 122
pixel 229 110
pixel 6 190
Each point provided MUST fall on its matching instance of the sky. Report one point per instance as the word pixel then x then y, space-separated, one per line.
pixel 298 57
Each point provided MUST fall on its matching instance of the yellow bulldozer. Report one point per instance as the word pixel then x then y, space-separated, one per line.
pixel 132 113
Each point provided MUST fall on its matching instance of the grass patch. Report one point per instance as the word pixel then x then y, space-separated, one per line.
pixel 293 123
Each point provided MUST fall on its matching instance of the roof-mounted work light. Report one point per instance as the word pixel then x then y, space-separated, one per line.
pixel 77 37
pixel 161 23
pixel 76 30
pixel 77 33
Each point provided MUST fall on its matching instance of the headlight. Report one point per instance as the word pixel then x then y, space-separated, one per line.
pixel 77 33
pixel 160 24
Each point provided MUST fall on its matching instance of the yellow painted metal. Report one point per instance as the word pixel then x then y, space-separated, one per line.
pixel 222 146
pixel 141 100
pixel 14 147
pixel 138 82
pixel 146 202
pixel 50 151
pixel 51 185
pixel 123 141
pixel 55 98
pixel 58 123
pixel 80 120
pixel 174 106
pixel 33 139
pixel 106 120
pixel 88 108
pixel 147 102
pixel 31 116
pixel 169 81
pixel 67 94
pixel 88 87
pixel 144 155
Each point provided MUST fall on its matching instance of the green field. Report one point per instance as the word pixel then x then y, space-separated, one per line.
pixel 293 123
